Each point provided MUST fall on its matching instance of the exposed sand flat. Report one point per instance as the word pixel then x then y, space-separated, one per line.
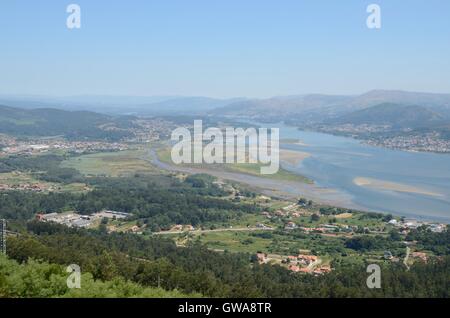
pixel 271 187
pixel 293 157
pixel 392 186
pixel 353 153
pixel 301 143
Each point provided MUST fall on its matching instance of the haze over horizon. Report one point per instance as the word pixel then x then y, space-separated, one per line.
pixel 162 97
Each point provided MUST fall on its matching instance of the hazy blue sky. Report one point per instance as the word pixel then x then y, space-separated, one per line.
pixel 254 48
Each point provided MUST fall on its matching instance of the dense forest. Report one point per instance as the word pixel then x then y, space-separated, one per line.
pixel 195 269
pixel 45 168
pixel 158 201
pixel 45 280
pixel 137 264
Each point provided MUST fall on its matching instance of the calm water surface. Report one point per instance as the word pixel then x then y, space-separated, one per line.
pixel 336 161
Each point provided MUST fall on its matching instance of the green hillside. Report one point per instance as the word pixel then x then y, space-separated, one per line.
pixel 40 279
pixel 395 115
pixel 53 122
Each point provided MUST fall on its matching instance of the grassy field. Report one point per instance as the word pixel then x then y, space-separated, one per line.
pixel 244 168
pixel 233 237
pixel 254 169
pixel 238 241
pixel 120 226
pixel 265 241
pixel 112 164
pixel 251 220
pixel 11 178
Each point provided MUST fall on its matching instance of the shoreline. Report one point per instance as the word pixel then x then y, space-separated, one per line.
pixel 278 188
pixel 371 142
pixel 289 190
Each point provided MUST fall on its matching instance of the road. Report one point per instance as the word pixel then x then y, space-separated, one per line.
pixel 405 261
pixel 237 229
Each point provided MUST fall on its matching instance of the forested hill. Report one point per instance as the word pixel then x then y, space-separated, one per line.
pixel 395 115
pixel 29 280
pixel 155 261
pixel 55 122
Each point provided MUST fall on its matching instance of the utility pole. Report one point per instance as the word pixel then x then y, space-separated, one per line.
pixel 3 236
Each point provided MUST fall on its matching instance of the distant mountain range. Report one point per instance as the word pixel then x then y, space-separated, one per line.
pixel 312 106
pixel 183 106
pixel 376 97
pixel 398 109
pixel 285 106
pixel 322 107
pixel 120 105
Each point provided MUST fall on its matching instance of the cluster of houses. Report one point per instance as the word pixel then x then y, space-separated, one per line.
pixel 305 264
pixel 408 224
pixel 287 213
pixel 7 140
pixel 262 226
pixel 316 271
pixel 26 148
pixel 301 259
pixel 34 187
pixel 420 255
pixel 262 258
pixel 41 146
pixel 150 129
pixel 292 210
pixel 323 228
pixel 298 264
pixel 72 219
pixel 180 227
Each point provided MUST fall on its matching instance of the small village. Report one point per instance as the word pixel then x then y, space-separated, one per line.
pixel 33 187
pixel 301 263
pixel 305 263
pixel 33 147
pixel 285 218
pixel 293 211
pixel 405 140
